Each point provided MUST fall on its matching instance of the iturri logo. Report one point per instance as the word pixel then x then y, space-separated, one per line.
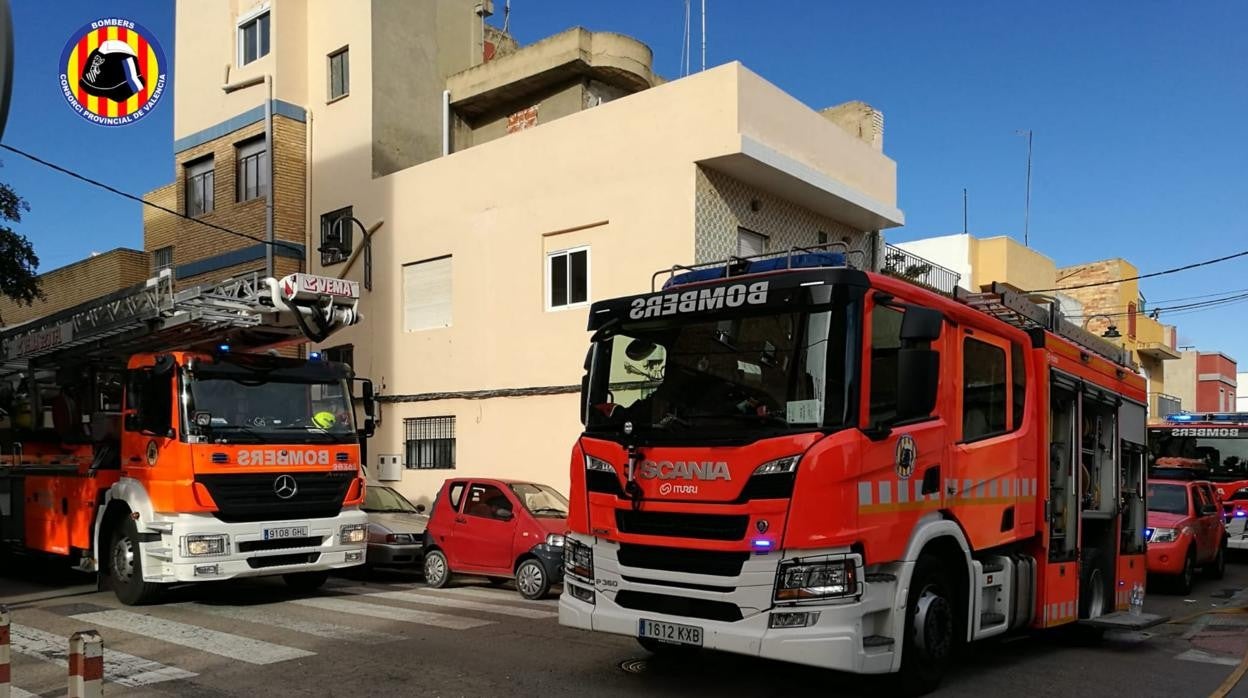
pixel 113 72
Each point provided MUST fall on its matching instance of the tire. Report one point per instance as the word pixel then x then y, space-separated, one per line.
pixel 1216 569
pixel 1183 582
pixel 930 634
pixel 305 581
pixel 1093 601
pixel 531 580
pixel 125 566
pixel 437 570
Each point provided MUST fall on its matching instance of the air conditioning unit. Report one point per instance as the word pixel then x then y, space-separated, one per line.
pixel 389 467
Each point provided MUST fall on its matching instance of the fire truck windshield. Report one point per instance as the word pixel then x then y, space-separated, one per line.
pixel 289 406
pixel 1220 453
pixel 723 377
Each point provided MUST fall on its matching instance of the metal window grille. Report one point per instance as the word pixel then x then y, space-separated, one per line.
pixel 430 443
pixel 162 259
pixel 199 188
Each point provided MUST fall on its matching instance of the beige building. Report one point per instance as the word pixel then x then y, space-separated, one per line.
pixel 505 188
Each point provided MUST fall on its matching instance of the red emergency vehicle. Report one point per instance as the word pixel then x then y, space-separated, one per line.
pixel 143 435
pixel 789 457
pixel 1211 446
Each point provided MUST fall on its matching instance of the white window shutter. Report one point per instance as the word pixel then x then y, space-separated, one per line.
pixel 427 295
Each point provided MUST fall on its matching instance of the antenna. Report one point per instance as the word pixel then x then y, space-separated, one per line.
pixel 685 66
pixel 703 34
pixel 506 15
pixel 1027 204
pixel 964 227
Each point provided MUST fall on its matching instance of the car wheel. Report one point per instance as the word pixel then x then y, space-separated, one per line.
pixel 437 571
pixel 1216 569
pixel 1183 583
pixel 305 581
pixel 532 580
pixel 125 567
pixel 929 637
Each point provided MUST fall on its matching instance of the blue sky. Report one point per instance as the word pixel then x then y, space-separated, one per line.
pixel 1139 112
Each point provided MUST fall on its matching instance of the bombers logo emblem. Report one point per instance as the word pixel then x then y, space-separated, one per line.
pixel 112 72
pixel 907 452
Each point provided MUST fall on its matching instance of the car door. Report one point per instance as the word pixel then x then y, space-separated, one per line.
pixel 443 522
pixel 486 528
pixel 1211 520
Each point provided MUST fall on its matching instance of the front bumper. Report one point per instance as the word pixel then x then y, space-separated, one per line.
pixel 1167 558
pixel 835 641
pixel 395 554
pixel 248 554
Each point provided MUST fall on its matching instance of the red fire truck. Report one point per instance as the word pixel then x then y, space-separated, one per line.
pixel 144 436
pixel 789 457
pixel 1211 446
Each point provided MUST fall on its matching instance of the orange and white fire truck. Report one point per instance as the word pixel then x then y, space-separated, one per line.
pixel 792 458
pixel 144 437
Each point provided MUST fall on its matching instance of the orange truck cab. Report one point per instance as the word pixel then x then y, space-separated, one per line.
pixel 788 457
pixel 193 461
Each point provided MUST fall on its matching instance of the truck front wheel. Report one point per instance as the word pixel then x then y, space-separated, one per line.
pixel 930 638
pixel 125 566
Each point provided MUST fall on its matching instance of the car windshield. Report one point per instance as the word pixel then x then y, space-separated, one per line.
pixel 1219 453
pixel 1167 499
pixel 730 376
pixel 385 500
pixel 541 501
pixel 234 407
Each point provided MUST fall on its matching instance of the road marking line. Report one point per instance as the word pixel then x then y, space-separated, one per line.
pixel 15 692
pixel 119 667
pixel 1206 658
pixel 195 637
pixel 266 616
pixel 1231 681
pixel 405 615
pixel 449 602
pixel 499 595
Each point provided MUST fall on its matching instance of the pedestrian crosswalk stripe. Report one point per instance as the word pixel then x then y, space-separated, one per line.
pixel 405 615
pixel 119 667
pixel 263 615
pixel 501 595
pixel 15 692
pixel 216 642
pixel 449 602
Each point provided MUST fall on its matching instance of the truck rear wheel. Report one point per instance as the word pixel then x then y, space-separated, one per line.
pixel 125 566
pixel 929 633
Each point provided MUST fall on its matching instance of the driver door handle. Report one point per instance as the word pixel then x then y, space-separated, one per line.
pixel 460 519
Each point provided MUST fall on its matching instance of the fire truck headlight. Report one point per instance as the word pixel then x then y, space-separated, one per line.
pixel 352 534
pixel 598 464
pixel 578 559
pixel 1164 535
pixel 803 580
pixel 778 466
pixel 205 545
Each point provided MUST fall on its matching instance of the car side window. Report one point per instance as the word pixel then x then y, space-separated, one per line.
pixel 1202 503
pixel 456 491
pixel 1211 501
pixel 488 502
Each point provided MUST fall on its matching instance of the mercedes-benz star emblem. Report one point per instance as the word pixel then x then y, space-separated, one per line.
pixel 285 487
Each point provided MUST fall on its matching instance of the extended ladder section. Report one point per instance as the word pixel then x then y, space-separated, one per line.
pixel 1010 306
pixel 247 312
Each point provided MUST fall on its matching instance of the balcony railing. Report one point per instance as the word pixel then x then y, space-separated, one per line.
pixel 1166 405
pixel 911 267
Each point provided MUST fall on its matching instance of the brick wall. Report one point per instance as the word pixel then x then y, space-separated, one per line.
pixel 79 282
pixel 193 242
pixel 1097 299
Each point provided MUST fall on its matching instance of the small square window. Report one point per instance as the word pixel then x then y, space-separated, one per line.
pixel 430 443
pixel 253 38
pixel 339 74
pixel 567 278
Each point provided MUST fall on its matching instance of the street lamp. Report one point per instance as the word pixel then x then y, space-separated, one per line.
pixel 1110 332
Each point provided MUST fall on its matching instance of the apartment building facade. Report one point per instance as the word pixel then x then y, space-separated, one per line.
pixel 484 193
pixel 1204 382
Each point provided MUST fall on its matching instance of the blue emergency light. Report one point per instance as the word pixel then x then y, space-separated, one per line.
pixel 812 260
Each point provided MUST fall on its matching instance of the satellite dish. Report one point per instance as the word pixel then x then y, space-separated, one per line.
pixel 639 349
pixel 6 62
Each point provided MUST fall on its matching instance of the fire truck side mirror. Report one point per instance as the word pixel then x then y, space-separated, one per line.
pixel 366 394
pixel 589 362
pixel 918 369
pixel 370 427
pixel 921 324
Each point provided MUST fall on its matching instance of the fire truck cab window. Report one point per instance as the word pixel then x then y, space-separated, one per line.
pixel 149 397
pixel 983 390
pixel 885 347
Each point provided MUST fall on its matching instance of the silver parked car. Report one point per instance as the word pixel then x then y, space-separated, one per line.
pixel 396 528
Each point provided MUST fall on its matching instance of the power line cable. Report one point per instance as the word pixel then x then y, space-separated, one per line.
pixel 1170 310
pixel 1150 275
pixel 132 197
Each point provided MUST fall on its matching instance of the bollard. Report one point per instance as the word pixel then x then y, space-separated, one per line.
pixel 86 665
pixel 6 674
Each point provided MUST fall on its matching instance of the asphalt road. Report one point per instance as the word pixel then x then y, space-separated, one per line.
pixel 386 635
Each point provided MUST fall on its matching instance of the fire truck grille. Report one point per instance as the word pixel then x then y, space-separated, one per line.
pixel 257 563
pixel 679 606
pixel 663 523
pixel 253 546
pixel 709 562
pixel 246 497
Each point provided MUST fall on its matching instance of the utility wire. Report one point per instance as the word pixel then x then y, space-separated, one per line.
pixel 1150 275
pixel 1174 309
pixel 132 197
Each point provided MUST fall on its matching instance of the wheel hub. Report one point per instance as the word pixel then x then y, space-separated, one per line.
pixel 933 621
pixel 123 559
pixel 434 569
pixel 530 579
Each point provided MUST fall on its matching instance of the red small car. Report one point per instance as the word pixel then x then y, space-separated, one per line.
pixel 1186 530
pixel 500 529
